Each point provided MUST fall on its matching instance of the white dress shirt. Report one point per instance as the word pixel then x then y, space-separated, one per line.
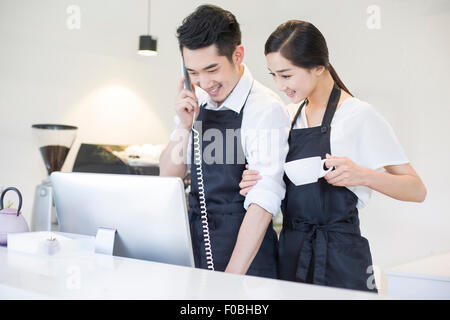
pixel 264 134
pixel 361 134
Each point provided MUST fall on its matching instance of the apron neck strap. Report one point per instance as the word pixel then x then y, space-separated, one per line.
pixel 248 95
pixel 299 111
pixel 331 108
pixel 329 112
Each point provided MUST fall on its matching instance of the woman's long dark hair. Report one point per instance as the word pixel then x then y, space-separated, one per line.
pixel 304 45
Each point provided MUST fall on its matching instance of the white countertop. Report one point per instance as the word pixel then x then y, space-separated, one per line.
pixel 98 276
pixel 435 267
pixel 425 278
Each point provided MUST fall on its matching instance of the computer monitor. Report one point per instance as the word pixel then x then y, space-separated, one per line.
pixel 149 213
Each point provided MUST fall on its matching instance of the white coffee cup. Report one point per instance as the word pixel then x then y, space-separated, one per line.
pixel 306 170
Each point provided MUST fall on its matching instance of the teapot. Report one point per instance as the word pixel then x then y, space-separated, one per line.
pixel 11 220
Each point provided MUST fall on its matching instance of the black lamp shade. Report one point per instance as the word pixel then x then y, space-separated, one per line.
pixel 147 46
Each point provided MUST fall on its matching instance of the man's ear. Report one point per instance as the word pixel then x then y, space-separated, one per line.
pixel 238 55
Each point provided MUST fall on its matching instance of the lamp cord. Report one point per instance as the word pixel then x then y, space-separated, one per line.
pixel 148 18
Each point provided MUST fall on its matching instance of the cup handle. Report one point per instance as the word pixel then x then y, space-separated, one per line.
pixel 323 171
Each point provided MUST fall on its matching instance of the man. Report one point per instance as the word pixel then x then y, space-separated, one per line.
pixel 240 229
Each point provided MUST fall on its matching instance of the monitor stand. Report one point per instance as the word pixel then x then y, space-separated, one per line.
pixel 104 241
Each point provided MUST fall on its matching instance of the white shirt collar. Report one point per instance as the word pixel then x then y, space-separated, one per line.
pixel 236 99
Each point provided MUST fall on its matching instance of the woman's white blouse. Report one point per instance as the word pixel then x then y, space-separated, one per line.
pixel 361 134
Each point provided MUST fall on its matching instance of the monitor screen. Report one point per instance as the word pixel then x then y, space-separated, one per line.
pixel 148 213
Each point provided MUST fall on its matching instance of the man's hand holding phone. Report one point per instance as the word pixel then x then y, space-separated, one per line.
pixel 185 105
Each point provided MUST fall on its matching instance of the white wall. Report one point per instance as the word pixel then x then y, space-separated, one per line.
pixel 94 79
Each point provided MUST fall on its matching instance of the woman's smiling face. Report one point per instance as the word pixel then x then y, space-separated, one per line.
pixel 296 82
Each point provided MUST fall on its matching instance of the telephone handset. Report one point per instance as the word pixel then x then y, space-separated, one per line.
pixel 187 79
pixel 200 182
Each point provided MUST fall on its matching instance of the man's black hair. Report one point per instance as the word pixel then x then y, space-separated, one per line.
pixel 208 25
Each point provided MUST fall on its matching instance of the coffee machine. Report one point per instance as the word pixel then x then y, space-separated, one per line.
pixel 55 141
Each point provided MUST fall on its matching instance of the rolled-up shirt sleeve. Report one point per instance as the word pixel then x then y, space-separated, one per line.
pixel 265 146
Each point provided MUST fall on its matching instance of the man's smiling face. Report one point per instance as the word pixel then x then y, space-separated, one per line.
pixel 215 74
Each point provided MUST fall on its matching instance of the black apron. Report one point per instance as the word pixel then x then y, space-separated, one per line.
pixel 225 205
pixel 320 241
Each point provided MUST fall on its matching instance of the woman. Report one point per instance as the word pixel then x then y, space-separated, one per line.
pixel 320 241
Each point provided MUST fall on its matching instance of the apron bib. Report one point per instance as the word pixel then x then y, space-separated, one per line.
pixel 225 205
pixel 320 241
